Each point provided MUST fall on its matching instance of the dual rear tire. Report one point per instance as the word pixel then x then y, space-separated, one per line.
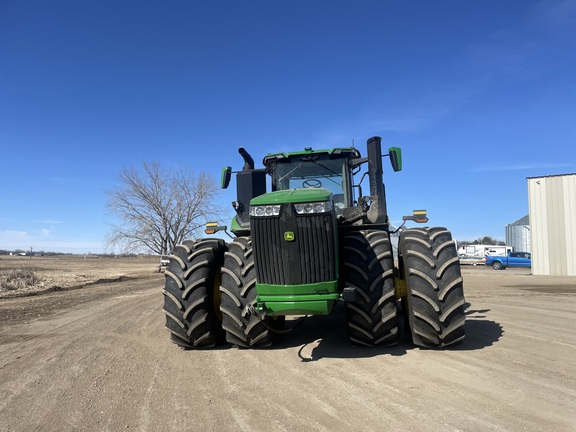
pixel 191 293
pixel 434 305
pixel 210 294
pixel 369 270
pixel 245 326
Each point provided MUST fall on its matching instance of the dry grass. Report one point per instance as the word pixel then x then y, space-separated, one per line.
pixel 22 275
pixel 17 279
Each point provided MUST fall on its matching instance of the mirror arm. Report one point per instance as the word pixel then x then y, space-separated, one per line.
pixel 355 163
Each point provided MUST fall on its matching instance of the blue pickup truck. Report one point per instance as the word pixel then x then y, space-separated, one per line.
pixel 513 259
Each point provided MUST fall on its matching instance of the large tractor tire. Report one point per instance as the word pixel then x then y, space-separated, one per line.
pixel 245 327
pixel 369 268
pixel 434 305
pixel 191 293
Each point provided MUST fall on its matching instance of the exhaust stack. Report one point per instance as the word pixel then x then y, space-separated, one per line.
pixel 248 161
pixel 377 212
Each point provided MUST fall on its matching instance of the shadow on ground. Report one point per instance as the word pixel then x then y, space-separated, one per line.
pixel 326 337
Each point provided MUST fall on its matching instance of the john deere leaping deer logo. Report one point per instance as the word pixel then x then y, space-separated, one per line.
pixel 289 236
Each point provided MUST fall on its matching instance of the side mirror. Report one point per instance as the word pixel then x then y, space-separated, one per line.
pixel 225 177
pixel 395 154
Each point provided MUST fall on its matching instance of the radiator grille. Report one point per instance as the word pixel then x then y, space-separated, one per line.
pixel 310 258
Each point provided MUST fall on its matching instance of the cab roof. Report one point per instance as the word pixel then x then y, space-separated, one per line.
pixel 338 152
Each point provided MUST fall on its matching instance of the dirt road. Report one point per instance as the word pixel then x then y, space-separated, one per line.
pixel 99 359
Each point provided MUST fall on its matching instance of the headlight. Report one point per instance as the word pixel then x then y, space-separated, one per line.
pixel 265 210
pixel 312 208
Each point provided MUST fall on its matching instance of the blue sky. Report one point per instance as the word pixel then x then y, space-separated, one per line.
pixel 479 96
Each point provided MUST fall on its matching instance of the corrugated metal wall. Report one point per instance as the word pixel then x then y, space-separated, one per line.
pixel 552 208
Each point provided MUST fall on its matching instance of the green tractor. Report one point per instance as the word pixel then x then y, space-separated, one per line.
pixel 310 242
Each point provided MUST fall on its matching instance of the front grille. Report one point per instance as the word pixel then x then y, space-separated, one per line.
pixel 310 258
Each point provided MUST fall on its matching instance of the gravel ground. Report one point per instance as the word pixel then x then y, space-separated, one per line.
pixel 97 358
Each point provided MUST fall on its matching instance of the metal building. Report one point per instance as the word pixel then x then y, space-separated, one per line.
pixel 518 235
pixel 552 211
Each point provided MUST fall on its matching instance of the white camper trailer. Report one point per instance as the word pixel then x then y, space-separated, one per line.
pixel 481 251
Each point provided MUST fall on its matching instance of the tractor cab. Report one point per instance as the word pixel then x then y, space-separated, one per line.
pixel 327 169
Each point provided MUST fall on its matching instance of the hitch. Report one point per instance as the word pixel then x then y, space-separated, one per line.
pixel 349 294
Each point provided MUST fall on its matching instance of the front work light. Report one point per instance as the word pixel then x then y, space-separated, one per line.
pixel 265 210
pixel 313 208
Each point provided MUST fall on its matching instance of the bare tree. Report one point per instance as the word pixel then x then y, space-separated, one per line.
pixel 486 240
pixel 156 209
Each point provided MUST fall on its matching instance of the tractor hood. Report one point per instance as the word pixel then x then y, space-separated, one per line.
pixel 292 196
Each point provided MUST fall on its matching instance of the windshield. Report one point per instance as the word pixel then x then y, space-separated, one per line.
pixel 314 172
